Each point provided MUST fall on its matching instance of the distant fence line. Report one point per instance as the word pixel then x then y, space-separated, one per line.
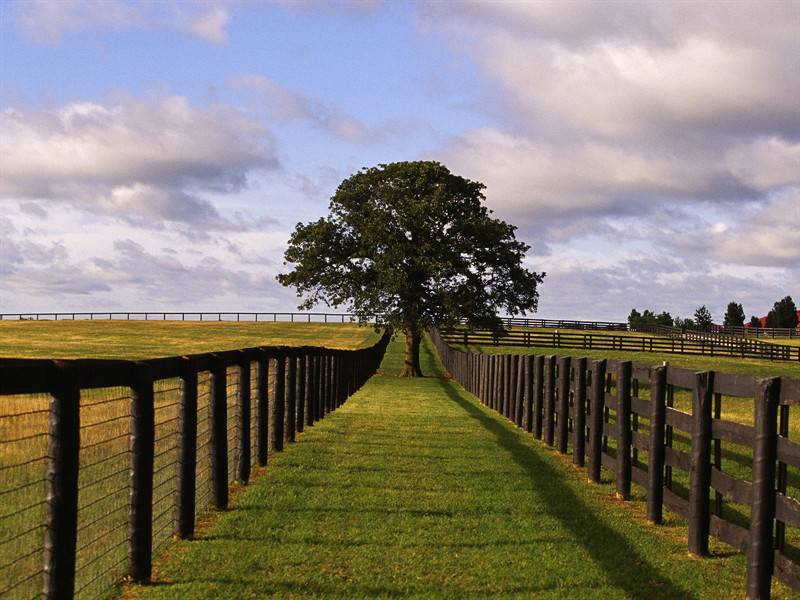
pixel 309 317
pixel 771 332
pixel 596 406
pixel 303 316
pixel 693 345
pixel 102 461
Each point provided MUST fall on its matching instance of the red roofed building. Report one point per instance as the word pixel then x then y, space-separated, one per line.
pixel 763 321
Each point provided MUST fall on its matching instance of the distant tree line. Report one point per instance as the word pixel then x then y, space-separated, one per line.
pixel 783 314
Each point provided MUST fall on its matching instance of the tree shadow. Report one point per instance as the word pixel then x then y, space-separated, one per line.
pixel 607 547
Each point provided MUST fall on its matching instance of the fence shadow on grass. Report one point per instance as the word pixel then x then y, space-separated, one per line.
pixel 607 547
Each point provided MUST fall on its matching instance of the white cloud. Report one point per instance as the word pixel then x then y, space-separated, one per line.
pixel 628 110
pixel 47 21
pixel 283 104
pixel 766 162
pixel 147 161
pixel 210 26
pixel 765 234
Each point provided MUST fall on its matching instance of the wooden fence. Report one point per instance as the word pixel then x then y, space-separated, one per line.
pixel 612 413
pixel 698 346
pixel 294 317
pixel 104 460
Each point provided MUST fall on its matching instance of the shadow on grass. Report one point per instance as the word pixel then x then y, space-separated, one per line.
pixel 606 546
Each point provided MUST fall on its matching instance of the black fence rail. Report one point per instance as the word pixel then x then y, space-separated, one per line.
pixel 700 345
pixel 718 331
pixel 564 324
pixel 294 317
pixel 102 462
pixel 626 418
pixel 765 332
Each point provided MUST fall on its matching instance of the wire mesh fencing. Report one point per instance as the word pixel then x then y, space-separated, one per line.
pixel 102 463
pixel 24 422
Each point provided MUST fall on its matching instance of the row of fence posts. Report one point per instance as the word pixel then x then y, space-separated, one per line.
pixel 534 393
pixel 309 383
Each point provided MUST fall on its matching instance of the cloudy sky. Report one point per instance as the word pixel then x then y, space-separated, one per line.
pixel 156 155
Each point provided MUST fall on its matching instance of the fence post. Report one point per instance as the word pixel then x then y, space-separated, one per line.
pixel 655 470
pixel 263 406
pixel 563 403
pixel 495 384
pixel 519 391
pixel 322 388
pixel 549 400
pixel 538 395
pixel 329 381
pixel 291 396
pixel 760 551
pixel 528 392
pixel 219 433
pixel 507 366
pixel 302 387
pixel 62 484
pixel 700 473
pixel 596 428
pixel 243 409
pixel 579 412
pixel 279 408
pixel 187 449
pixel 624 430
pixel 315 383
pixel 500 376
pixel 140 548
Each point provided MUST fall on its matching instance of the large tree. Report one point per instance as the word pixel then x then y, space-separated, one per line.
pixel 413 243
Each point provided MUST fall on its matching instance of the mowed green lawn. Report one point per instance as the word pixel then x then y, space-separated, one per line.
pixel 151 339
pixel 413 489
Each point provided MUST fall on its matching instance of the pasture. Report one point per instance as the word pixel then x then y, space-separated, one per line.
pixel 414 489
pixel 152 339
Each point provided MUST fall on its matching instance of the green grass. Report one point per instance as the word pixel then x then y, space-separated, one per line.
pixel 151 339
pixel 413 489
pixel 785 341
pixel 743 366
pixel 735 460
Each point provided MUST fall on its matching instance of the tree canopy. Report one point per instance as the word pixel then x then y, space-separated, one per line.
pixel 734 315
pixel 702 317
pixel 415 244
pixel 783 314
pixel 649 317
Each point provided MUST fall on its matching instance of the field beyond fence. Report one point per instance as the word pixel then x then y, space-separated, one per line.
pixel 734 481
pixel 103 461
pixel 693 345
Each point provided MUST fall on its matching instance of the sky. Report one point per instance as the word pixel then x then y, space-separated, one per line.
pixel 157 155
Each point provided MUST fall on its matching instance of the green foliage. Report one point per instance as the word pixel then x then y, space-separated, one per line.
pixel 686 323
pixel 783 314
pixel 649 317
pixel 702 318
pixel 414 243
pixel 734 315
pixel 755 321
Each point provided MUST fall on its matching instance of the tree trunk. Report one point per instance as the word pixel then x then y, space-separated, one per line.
pixel 411 367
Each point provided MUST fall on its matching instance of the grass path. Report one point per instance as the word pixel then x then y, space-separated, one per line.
pixel 413 489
